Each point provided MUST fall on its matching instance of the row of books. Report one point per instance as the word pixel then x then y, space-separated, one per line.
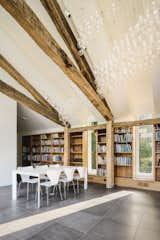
pixel 58 149
pixel 101 172
pixel 46 157
pixel 123 130
pixel 36 149
pixel 127 137
pixel 158 147
pixel 53 135
pixel 102 148
pixel 157 135
pixel 123 147
pixel 57 135
pixel 43 136
pixel 47 149
pixel 76 160
pixel 36 157
pixel 57 158
pixel 52 142
pixel 46 142
pixel 123 161
pixel 102 160
pixel 26 149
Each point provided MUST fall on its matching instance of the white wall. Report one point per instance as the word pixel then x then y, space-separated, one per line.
pixel 8 139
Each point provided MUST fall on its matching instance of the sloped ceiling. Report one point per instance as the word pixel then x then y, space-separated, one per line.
pixel 102 25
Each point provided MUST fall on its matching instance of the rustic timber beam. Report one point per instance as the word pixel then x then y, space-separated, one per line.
pixel 64 29
pixel 32 25
pixel 27 102
pixel 87 128
pixel 137 123
pixel 59 20
pixel 24 83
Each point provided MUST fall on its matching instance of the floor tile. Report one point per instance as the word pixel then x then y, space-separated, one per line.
pixel 114 231
pixel 147 235
pixel 80 221
pixel 57 231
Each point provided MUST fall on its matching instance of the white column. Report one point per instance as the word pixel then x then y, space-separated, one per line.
pixel 14 185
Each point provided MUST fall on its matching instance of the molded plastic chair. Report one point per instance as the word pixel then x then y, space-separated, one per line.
pixel 81 174
pixel 53 176
pixel 69 174
pixel 26 179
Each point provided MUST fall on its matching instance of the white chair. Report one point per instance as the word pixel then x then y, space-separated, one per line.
pixel 53 176
pixel 26 179
pixel 69 174
pixel 45 168
pixel 81 175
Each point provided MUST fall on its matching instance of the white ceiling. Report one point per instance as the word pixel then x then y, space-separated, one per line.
pixel 100 24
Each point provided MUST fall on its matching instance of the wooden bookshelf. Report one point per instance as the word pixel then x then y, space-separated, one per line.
pixel 26 150
pixel 76 149
pixel 101 153
pixel 157 151
pixel 44 148
pixel 123 151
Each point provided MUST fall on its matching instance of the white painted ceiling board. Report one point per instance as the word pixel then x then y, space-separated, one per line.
pixel 128 98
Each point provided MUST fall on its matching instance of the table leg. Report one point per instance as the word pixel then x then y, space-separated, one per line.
pixel 39 193
pixel 14 186
pixel 86 180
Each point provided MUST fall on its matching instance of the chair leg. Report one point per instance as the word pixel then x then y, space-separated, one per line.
pixel 77 186
pixel 47 192
pixel 65 195
pixel 74 190
pixel 19 186
pixel 32 187
pixel 27 190
pixel 59 186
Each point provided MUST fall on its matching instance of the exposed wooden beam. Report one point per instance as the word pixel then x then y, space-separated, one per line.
pixel 32 25
pixel 24 83
pixel 59 20
pixel 27 102
pixel 137 123
pixel 64 29
pixel 87 128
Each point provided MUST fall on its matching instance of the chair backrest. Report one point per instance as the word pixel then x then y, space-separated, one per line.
pixel 81 171
pixel 42 166
pixel 69 172
pixel 25 177
pixel 54 175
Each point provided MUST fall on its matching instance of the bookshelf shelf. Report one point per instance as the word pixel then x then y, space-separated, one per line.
pixel 76 148
pixel 123 138
pixel 101 153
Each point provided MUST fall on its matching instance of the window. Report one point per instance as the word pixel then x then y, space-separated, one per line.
pixel 144 152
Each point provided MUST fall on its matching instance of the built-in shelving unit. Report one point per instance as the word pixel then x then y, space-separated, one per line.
pixel 157 152
pixel 76 148
pixel 43 148
pixel 123 152
pixel 101 156
pixel 26 150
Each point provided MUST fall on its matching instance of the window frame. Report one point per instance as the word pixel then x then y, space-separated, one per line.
pixel 139 175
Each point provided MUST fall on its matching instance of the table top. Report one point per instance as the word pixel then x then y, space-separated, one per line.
pixel 40 170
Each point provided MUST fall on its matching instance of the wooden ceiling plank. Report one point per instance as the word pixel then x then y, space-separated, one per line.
pixel 24 83
pixel 27 102
pixel 23 14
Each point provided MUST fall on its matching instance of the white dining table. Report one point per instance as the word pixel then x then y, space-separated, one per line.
pixel 39 173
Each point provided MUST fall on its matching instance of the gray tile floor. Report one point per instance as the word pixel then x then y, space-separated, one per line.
pixel 134 217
